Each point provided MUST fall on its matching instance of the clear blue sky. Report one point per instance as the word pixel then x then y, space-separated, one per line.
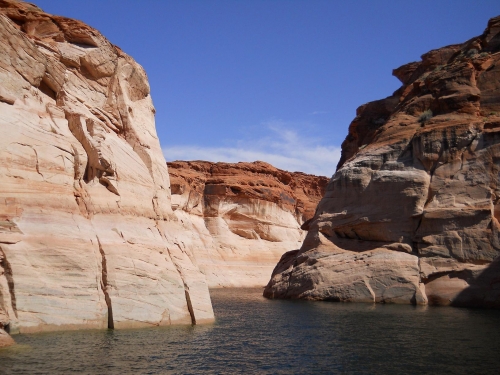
pixel 275 80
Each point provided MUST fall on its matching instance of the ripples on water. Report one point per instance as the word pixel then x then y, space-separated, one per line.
pixel 253 335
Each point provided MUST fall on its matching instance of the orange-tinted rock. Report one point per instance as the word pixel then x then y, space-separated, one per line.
pixel 411 215
pixel 248 213
pixel 295 192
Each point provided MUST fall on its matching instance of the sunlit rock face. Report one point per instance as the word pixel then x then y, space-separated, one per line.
pixel 411 215
pixel 247 214
pixel 87 235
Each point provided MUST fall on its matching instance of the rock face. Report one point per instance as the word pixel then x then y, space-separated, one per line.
pixel 87 235
pixel 247 214
pixel 411 215
pixel 5 339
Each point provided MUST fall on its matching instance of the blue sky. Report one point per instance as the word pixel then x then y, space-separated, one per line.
pixel 271 80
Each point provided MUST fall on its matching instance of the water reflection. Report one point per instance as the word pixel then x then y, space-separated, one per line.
pixel 255 335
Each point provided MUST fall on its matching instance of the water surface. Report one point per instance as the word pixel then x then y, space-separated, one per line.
pixel 260 336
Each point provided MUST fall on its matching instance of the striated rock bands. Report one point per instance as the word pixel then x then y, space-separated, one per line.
pixel 246 215
pixel 411 215
pixel 87 235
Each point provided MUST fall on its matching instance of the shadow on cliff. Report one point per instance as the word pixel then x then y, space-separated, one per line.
pixel 483 290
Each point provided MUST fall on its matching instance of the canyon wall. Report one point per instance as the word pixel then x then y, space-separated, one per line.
pixel 87 235
pixel 411 215
pixel 247 215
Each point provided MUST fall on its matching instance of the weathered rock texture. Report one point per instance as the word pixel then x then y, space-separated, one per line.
pixel 87 235
pixel 247 215
pixel 411 215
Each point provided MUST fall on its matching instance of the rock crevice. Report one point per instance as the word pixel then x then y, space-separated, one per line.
pixel 104 286
pixel 8 308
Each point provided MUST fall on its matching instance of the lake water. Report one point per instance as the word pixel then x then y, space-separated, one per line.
pixel 253 335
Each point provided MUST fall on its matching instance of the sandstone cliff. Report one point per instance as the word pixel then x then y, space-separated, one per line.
pixel 411 215
pixel 87 235
pixel 247 214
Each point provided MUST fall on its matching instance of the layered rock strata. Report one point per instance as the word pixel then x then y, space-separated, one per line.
pixel 247 214
pixel 411 215
pixel 87 235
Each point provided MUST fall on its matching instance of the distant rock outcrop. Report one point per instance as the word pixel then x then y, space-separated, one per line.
pixel 248 215
pixel 411 215
pixel 87 235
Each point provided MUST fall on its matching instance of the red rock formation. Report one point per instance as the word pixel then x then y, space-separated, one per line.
pixel 293 191
pixel 411 215
pixel 249 214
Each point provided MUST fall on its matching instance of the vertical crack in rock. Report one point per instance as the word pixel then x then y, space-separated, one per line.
pixel 179 271
pixel 81 196
pixel 77 163
pixel 88 133
pixel 186 287
pixel 82 199
pixel 125 112
pixel 154 202
pixel 189 304
pixel 421 284
pixel 104 285
pixel 428 199
pixel 7 291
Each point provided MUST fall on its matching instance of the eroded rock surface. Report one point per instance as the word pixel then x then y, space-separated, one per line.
pixel 411 215
pixel 87 235
pixel 248 215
